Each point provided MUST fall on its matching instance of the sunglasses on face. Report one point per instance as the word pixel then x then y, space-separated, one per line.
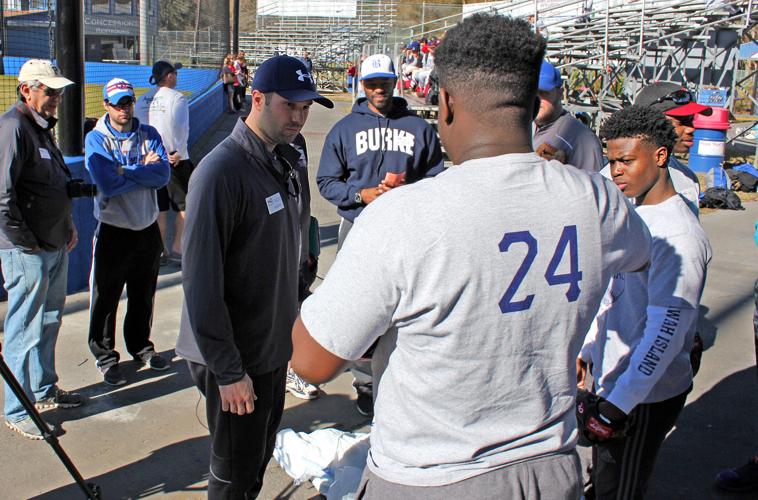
pixel 122 104
pixel 680 97
pixel 293 184
pixel 50 92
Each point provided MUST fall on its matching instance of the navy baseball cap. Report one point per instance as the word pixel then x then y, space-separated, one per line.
pixel 161 69
pixel 550 77
pixel 288 77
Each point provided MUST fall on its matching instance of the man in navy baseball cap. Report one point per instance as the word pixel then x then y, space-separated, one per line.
pixel 288 77
pixel 242 247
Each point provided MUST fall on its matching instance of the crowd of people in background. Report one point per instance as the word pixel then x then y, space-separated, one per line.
pixel 234 77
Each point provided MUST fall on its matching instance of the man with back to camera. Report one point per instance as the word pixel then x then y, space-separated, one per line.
pixel 558 135
pixel 640 350
pixel 380 145
pixel 127 161
pixel 36 234
pixel 486 275
pixel 166 109
pixel 241 254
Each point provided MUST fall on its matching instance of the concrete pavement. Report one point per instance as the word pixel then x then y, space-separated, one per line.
pixel 149 438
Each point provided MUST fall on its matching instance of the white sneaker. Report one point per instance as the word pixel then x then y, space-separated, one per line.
pixel 299 387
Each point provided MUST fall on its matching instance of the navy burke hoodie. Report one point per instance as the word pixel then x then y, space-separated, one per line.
pixel 362 147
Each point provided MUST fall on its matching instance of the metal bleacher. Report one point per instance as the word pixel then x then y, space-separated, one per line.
pixel 332 38
pixel 609 49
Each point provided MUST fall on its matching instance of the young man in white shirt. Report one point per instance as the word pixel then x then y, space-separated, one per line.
pixel 640 350
pixel 479 285
pixel 166 109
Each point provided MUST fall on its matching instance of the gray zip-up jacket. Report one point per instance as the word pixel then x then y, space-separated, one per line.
pixel 35 210
pixel 240 259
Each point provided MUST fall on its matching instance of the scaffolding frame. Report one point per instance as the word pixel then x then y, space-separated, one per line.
pixel 332 41
pixel 610 49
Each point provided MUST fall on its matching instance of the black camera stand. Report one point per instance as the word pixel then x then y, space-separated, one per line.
pixel 91 491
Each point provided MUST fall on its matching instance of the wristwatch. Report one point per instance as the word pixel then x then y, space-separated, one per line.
pixel 358 198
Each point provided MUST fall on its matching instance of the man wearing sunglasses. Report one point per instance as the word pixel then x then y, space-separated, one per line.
pixel 128 162
pixel 240 259
pixel 680 108
pixel 36 234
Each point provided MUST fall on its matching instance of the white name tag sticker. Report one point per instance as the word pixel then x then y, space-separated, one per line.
pixel 274 203
pixel 44 153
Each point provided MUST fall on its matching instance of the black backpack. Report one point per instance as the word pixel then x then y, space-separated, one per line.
pixel 721 198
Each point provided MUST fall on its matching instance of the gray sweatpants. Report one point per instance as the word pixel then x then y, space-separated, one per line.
pixel 557 477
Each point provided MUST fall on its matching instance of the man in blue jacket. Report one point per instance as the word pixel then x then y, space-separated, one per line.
pixel 379 146
pixel 128 163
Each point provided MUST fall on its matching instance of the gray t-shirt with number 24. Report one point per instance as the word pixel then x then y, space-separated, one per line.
pixel 481 284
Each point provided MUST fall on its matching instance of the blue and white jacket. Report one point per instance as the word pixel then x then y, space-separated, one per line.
pixel 126 200
pixel 365 145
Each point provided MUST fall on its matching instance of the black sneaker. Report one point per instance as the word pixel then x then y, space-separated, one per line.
pixel 154 361
pixel 58 398
pixel 739 479
pixel 113 376
pixel 365 404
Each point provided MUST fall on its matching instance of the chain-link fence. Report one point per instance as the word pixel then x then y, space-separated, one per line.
pixel 122 38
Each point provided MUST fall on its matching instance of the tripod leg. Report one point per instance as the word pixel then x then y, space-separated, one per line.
pixel 92 491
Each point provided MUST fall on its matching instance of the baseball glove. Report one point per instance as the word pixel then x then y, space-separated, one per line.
pixel 593 425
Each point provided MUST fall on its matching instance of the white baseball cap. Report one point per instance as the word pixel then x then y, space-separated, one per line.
pixel 377 66
pixel 45 72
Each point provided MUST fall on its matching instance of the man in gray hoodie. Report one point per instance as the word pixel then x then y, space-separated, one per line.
pixel 129 164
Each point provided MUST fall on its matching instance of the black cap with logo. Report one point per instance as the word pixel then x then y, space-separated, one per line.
pixel 288 77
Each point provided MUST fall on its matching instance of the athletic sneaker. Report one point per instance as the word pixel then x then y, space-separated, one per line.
pixel 299 387
pixel 27 428
pixel 739 479
pixel 113 376
pixel 365 404
pixel 154 361
pixel 58 398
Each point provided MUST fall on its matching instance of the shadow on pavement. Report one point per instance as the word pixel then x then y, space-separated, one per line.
pixel 718 431
pixel 328 411
pixel 102 397
pixel 174 468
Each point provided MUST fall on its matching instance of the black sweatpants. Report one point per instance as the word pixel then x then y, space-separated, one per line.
pixel 241 445
pixel 621 468
pixel 123 257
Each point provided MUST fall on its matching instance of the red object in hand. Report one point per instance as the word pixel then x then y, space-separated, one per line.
pixel 394 179
pixel 599 429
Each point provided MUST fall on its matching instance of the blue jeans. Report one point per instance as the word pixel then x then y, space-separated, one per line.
pixel 36 285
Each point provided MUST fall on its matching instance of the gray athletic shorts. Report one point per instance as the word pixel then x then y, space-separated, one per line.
pixel 557 477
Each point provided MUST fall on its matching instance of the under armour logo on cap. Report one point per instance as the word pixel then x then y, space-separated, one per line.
pixel 288 77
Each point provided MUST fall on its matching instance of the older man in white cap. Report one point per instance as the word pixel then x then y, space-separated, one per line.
pixel 380 145
pixel 36 234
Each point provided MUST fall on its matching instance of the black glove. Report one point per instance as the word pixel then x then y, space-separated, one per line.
pixel 598 420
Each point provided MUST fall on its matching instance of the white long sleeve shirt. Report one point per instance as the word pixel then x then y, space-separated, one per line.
pixel 645 327
pixel 168 111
